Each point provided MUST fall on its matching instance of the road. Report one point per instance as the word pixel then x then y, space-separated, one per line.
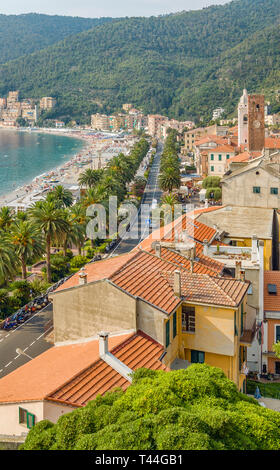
pixel 29 337
pixel 140 227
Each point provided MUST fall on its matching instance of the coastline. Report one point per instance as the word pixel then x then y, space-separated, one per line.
pixel 40 180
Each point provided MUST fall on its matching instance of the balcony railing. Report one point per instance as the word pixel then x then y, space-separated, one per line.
pixel 248 335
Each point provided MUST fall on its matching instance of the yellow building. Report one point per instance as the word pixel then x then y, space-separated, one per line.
pixel 240 224
pixel 195 317
pixel 202 330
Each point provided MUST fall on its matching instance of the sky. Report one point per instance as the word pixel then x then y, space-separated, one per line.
pixel 97 8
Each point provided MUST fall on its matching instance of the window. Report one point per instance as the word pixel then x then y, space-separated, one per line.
pixel 256 190
pixel 197 357
pixel 273 190
pixel 175 325
pixel 212 156
pixel 272 289
pixel 26 418
pixel 212 168
pixel 188 319
pixel 167 333
pixel 220 158
pixel 277 334
pixel 228 156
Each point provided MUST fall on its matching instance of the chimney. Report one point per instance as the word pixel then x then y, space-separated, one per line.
pixel 112 360
pixel 103 343
pixel 238 266
pixel 191 265
pixel 158 250
pixel 205 247
pixel 254 256
pixel 177 283
pixel 82 277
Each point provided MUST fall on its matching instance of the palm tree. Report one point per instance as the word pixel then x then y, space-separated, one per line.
pixel 79 218
pixel 169 179
pixel 90 178
pixel 8 261
pixel 75 233
pixel 27 241
pixel 51 221
pixel 61 196
pixel 6 217
pixel 94 196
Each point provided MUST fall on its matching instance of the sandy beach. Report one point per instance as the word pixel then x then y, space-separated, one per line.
pixel 98 149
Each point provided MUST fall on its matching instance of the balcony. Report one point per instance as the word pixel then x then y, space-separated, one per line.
pixel 248 335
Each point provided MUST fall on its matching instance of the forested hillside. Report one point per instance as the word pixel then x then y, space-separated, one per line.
pixel 183 65
pixel 23 34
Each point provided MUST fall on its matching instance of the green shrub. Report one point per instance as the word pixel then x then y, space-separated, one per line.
pixel 78 261
pixel 193 409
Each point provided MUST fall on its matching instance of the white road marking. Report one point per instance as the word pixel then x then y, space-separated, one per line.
pixel 8 364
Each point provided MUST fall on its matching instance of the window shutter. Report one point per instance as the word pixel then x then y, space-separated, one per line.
pixel 167 331
pixel 175 325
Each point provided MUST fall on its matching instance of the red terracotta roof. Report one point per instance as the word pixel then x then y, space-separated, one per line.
pixel 201 288
pixel 98 270
pixel 223 149
pixel 272 143
pixel 272 301
pixel 209 138
pixel 244 157
pixel 196 230
pixel 53 368
pixel 203 264
pixel 136 352
pixel 142 278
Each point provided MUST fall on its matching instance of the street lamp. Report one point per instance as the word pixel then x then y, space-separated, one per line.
pixel 20 352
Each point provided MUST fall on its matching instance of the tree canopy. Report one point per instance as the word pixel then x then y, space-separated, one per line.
pixel 193 409
pixel 183 65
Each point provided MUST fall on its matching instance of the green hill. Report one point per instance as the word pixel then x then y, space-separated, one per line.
pixel 24 34
pixel 183 65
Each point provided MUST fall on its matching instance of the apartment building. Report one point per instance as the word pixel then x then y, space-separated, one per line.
pixel 100 122
pixel 47 103
pixel 155 122
pixel 218 158
pixel 271 325
pixel 195 134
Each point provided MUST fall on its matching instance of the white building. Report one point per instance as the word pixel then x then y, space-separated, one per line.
pixel 243 119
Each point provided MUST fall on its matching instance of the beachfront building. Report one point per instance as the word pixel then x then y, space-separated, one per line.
pixel 47 103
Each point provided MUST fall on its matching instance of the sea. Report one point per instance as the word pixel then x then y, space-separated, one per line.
pixel 25 155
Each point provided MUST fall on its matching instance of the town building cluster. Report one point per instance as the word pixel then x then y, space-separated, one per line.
pixel 203 289
pixel 155 124
pixel 12 109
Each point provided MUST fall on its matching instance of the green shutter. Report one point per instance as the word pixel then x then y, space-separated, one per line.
pixel 235 325
pixel 167 332
pixel 175 325
pixel 197 357
pixel 242 318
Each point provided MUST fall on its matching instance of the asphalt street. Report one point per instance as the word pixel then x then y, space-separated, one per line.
pixel 140 228
pixel 29 337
